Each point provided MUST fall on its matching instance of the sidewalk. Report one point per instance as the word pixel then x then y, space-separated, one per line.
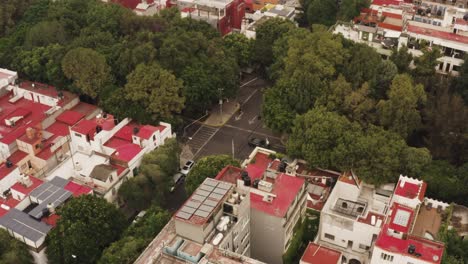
pixel 217 119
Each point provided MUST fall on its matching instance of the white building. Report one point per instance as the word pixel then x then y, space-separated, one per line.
pixel 381 225
pixel 391 23
pixel 213 226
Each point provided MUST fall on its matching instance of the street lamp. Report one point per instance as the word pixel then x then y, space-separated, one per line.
pixel 221 104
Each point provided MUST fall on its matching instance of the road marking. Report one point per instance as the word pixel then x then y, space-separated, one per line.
pixel 244 84
pixel 253 132
pixel 210 134
pixel 252 120
pixel 239 116
pixel 250 96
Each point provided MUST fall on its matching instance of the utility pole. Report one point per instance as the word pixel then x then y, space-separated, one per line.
pixel 221 104
pixel 232 147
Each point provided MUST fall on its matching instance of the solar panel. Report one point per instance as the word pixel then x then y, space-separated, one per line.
pixel 216 196
pixel 197 197
pixel 193 204
pixel 207 188
pixel 220 191
pixel 202 192
pixel 188 210
pixel 202 213
pixel 210 182
pixel 224 186
pixel 183 215
pixel 210 202
pixel 206 208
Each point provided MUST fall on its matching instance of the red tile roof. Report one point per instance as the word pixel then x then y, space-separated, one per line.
pixel 131 4
pixel 17 156
pixel 77 189
pixel 126 152
pixel 70 117
pixel 386 2
pixel 401 218
pixel 410 190
pixel 26 190
pixel 257 169
pixel 120 169
pixel 147 131
pixel 84 127
pixel 125 133
pixel 317 254
pixel 59 129
pixel 286 189
pixel 51 219
pixel 4 171
pixel 9 202
pixel 390 26
pixel 438 34
pixel 461 21
pixel 431 251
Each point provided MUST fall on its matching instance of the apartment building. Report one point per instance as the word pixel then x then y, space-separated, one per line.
pixel 213 226
pixel 278 201
pixel 386 224
pixel 54 147
pixel 253 20
pixel 418 25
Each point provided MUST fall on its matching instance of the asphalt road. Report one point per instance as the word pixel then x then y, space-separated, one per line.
pixel 234 135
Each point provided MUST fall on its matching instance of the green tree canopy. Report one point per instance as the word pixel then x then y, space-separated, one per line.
pixel 156 90
pixel 385 72
pixel 13 251
pixel 152 184
pixel 362 65
pixel 265 35
pixel 320 12
pixel 461 81
pixel 11 11
pixel 401 58
pixel 45 33
pixel 87 225
pixel 241 47
pixel 328 140
pixel 350 9
pixel 88 70
pixel 136 238
pixel 207 167
pixel 400 112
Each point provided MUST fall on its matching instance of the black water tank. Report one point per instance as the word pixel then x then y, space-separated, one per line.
pixel 255 183
pixel 244 174
pixel 9 164
pixel 136 130
pixel 411 249
pixel 247 181
pixel 98 129
pixel 282 166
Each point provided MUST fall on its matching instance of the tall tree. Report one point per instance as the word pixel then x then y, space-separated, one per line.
pixel 328 140
pixel 402 59
pixel 446 127
pixel 207 167
pixel 321 12
pixel 461 81
pixel 11 11
pixel 350 9
pixel 87 225
pixel 400 113
pixel 152 184
pixel 266 35
pixel 426 63
pixel 362 65
pixel 156 90
pixel 241 47
pixel 88 70
pixel 385 72
pixel 13 251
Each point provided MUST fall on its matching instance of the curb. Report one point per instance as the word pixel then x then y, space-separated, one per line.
pixel 223 123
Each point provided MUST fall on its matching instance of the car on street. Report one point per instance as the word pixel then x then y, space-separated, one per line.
pixel 139 216
pixel 178 179
pixel 257 142
pixel 187 167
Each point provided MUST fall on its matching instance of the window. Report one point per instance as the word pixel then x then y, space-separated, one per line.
pixel 154 137
pixel 328 236
pixel 362 246
pixel 344 205
pixel 360 209
pixel 111 178
pixel 386 257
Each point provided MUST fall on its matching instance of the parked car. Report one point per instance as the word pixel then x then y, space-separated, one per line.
pixel 257 142
pixel 139 216
pixel 178 179
pixel 187 167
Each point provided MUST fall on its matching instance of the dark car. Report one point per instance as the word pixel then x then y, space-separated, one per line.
pixel 257 142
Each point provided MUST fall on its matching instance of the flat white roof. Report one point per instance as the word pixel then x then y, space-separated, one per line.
pixel 87 163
